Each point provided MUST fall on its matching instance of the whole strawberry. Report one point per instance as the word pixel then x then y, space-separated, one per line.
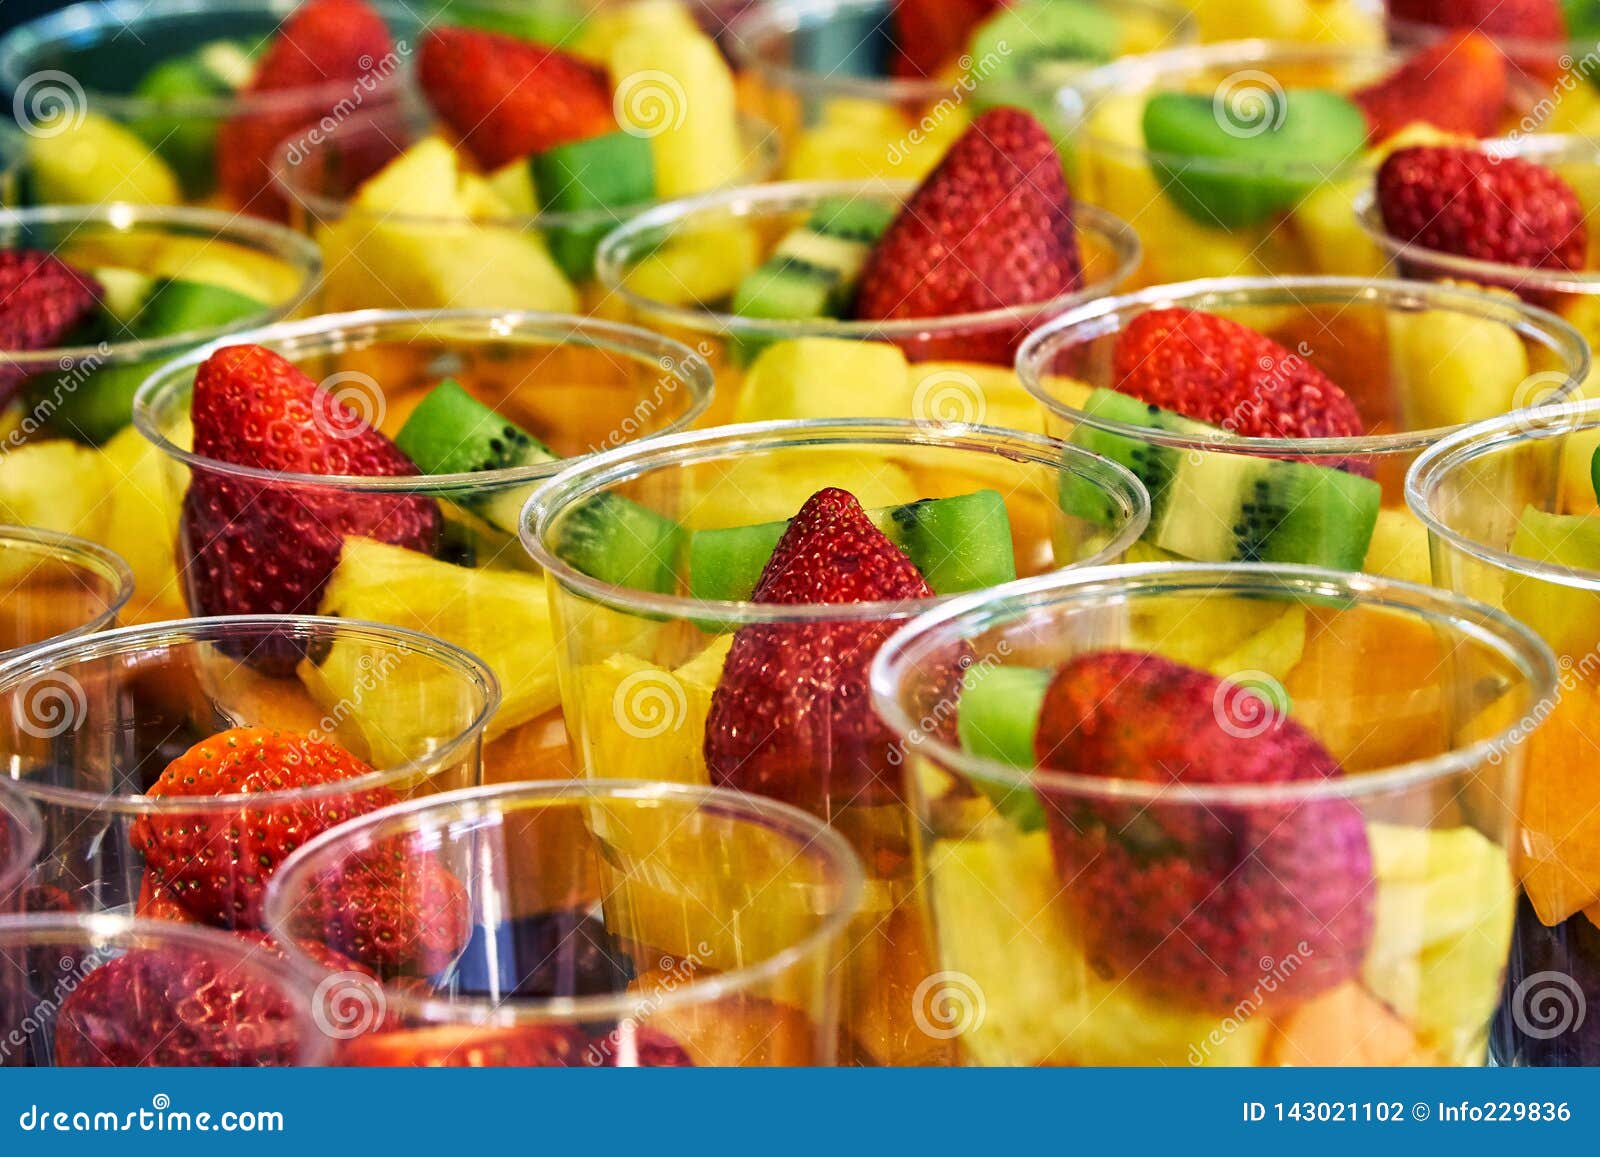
pixel 790 718
pixel 1215 370
pixel 506 98
pixel 42 301
pixel 1195 902
pixel 1468 203
pixel 260 546
pixel 329 54
pixel 214 864
pixel 990 228
pixel 396 909
pixel 1459 84
pixel 930 34
pixel 177 1006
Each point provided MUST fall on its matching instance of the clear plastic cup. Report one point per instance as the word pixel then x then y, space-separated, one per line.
pixel 600 924
pixel 675 268
pixel 578 385
pixel 1511 512
pixel 642 668
pixel 53 586
pixel 21 837
pixel 110 991
pixel 1417 361
pixel 399 260
pixel 1211 217
pixel 1304 918
pixel 820 70
pixel 93 729
pixel 92 136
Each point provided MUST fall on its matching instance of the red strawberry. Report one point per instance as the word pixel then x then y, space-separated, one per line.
pixel 215 864
pixel 507 98
pixel 156 903
pixel 393 908
pixel 177 1006
pixel 1459 84
pixel 1501 209
pixel 1199 902
pixel 42 300
pixel 1523 19
pixel 790 718
pixel 990 228
pixel 264 547
pixel 335 53
pixel 1213 369
pixel 930 34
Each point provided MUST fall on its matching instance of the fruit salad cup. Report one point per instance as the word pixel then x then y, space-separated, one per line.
pixel 99 991
pixel 174 102
pixel 406 220
pixel 21 838
pixel 1141 854
pixel 176 765
pixel 881 88
pixel 1273 419
pixel 1243 158
pixel 1510 506
pixel 699 270
pixel 482 406
pixel 730 660
pixel 610 925
pixel 54 586
pixel 95 299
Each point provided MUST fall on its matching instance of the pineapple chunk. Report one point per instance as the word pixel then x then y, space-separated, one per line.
pixel 95 160
pixel 143 527
pixel 677 89
pixel 826 378
pixel 58 486
pixel 643 721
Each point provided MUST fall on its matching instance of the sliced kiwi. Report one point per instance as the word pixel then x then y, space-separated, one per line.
pixel 188 144
pixel 959 544
pixel 998 719
pixel 1220 506
pixel 1043 40
pixel 1236 157
pixel 608 174
pixel 608 537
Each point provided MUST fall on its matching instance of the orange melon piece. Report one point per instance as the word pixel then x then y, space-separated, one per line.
pixel 1559 854
pixel 1345 1026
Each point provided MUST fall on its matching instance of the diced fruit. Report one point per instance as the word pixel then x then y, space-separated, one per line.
pixel 598 176
pixel 1037 41
pixel 94 160
pixel 1451 368
pixel 790 717
pixel 959 544
pixel 819 377
pixel 642 721
pixel 1217 507
pixel 256 547
pixel 216 862
pixel 621 542
pixel 699 267
pixel 1442 930
pixel 679 91
pixel 1459 84
pixel 986 394
pixel 991 227
pixel 1399 548
pixel 608 26
pixel 189 145
pixel 507 98
pixel 1518 19
pixel 1279 145
pixel 143 523
pixel 1046 999
pixel 1218 632
pixel 43 302
pixel 929 34
pixel 1568 617
pixel 56 485
pixel 1465 202
pixel 813 271
pixel 756 490
pixel 998 719
pixel 1345 1027
pixel 503 616
pixel 1213 369
pixel 1185 900
pixel 1559 856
